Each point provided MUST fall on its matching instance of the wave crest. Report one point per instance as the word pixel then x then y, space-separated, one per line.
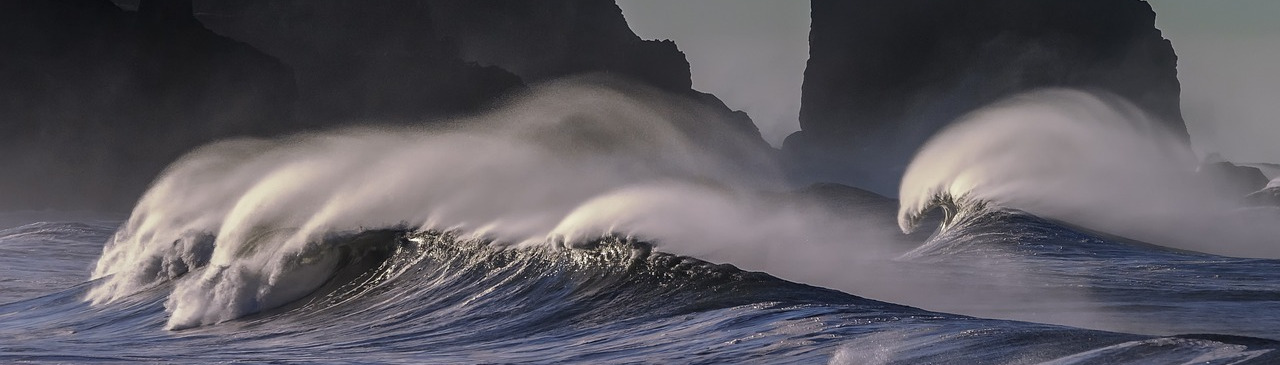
pixel 558 168
pixel 258 213
pixel 954 210
pixel 1092 160
pixel 1053 152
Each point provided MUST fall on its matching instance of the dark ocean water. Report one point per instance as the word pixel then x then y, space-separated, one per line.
pixel 402 296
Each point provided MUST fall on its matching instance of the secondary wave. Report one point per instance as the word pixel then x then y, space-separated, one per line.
pixel 1089 159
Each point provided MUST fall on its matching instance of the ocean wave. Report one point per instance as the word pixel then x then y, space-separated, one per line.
pixel 566 164
pixel 550 202
pixel 399 295
pixel 1092 160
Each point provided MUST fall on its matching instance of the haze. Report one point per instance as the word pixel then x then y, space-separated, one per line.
pixel 752 53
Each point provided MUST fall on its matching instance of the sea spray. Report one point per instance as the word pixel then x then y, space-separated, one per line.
pixel 244 226
pixel 568 163
pixel 1089 159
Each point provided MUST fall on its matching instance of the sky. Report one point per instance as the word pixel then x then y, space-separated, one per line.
pixel 752 54
pixel 1229 66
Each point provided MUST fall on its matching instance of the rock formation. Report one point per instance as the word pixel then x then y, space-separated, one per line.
pixel 357 56
pixel 865 206
pixel 883 76
pixel 1232 181
pixel 99 97
pixel 544 40
pixel 1266 197
pixel 361 61
pixel 97 100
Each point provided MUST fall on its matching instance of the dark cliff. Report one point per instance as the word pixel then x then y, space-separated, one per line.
pixel 541 40
pixel 1232 181
pixel 391 59
pixel 97 100
pixel 883 76
pixel 102 98
pixel 367 61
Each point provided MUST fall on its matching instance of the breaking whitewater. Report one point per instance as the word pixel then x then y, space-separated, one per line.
pixel 595 223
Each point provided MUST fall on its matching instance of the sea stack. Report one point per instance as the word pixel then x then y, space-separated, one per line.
pixel 883 76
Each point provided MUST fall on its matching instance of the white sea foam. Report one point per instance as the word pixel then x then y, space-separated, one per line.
pixel 566 163
pixel 572 161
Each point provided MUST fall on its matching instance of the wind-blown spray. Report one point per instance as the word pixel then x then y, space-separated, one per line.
pixel 566 164
pixel 1088 159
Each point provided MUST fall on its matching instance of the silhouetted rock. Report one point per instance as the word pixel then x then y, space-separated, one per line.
pixel 400 59
pixel 1271 170
pixel 395 58
pixel 847 196
pixel 1269 196
pixel 883 76
pixel 862 205
pixel 541 40
pixel 1232 181
pixel 366 61
pixel 96 100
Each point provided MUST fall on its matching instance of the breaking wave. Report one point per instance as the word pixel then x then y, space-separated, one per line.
pixel 407 296
pixel 566 164
pixel 1088 159
pixel 583 223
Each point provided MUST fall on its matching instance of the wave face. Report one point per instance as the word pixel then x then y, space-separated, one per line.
pixel 77 243
pixel 1034 269
pixel 439 297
